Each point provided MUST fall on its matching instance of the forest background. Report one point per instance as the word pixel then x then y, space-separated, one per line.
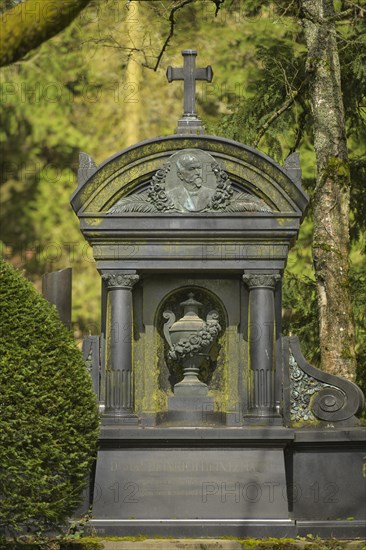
pixel 99 86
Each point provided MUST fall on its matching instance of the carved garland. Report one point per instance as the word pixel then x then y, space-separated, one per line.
pixel 197 342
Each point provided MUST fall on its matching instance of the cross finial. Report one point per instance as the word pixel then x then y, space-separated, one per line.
pixel 190 123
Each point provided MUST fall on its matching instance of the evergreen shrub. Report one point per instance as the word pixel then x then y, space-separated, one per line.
pixel 48 413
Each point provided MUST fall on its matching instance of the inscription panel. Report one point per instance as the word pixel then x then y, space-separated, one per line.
pixel 190 484
pixel 225 251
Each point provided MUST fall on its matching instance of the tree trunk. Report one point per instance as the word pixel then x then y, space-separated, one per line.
pixel 31 23
pixel 132 121
pixel 332 192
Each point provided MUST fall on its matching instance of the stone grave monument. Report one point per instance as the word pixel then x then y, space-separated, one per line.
pixel 213 423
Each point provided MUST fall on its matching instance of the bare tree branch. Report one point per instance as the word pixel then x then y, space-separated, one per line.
pixel 218 5
pixel 171 30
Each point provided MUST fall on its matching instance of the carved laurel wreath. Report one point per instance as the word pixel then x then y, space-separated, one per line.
pixel 156 194
pixel 224 192
pixel 196 342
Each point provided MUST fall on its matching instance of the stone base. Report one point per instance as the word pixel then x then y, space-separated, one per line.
pixel 253 419
pixel 191 410
pixel 115 419
pixel 191 482
pixel 185 389
pixel 193 528
pixel 244 482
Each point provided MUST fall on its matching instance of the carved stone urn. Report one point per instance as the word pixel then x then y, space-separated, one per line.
pixel 190 340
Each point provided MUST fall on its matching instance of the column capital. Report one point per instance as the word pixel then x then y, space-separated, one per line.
pixel 261 280
pixel 120 280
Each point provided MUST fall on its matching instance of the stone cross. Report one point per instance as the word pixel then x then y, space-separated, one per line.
pixel 190 123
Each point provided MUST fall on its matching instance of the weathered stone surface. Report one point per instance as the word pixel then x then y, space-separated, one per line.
pixel 204 215
pixel 56 288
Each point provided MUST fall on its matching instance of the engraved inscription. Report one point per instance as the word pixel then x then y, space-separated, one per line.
pixel 181 466
pixel 191 483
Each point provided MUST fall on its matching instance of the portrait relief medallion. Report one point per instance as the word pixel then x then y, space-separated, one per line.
pixel 190 181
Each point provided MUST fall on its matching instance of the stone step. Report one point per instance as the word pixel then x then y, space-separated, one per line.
pixel 215 544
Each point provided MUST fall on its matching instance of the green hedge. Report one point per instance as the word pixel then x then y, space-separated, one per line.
pixel 48 413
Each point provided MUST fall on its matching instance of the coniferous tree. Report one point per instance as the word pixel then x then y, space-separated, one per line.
pixel 49 421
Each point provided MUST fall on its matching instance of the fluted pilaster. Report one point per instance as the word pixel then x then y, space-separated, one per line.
pixel 261 338
pixel 119 382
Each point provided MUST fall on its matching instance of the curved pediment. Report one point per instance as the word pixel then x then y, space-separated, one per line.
pixel 178 174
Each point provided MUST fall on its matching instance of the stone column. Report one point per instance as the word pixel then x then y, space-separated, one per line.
pixel 261 338
pixel 119 390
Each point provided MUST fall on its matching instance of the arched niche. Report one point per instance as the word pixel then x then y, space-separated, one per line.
pixel 151 378
pixel 213 369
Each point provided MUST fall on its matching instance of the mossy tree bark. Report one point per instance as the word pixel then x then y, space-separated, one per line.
pixel 30 23
pixel 332 192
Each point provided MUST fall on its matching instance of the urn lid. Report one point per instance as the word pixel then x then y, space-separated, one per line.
pixel 191 305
